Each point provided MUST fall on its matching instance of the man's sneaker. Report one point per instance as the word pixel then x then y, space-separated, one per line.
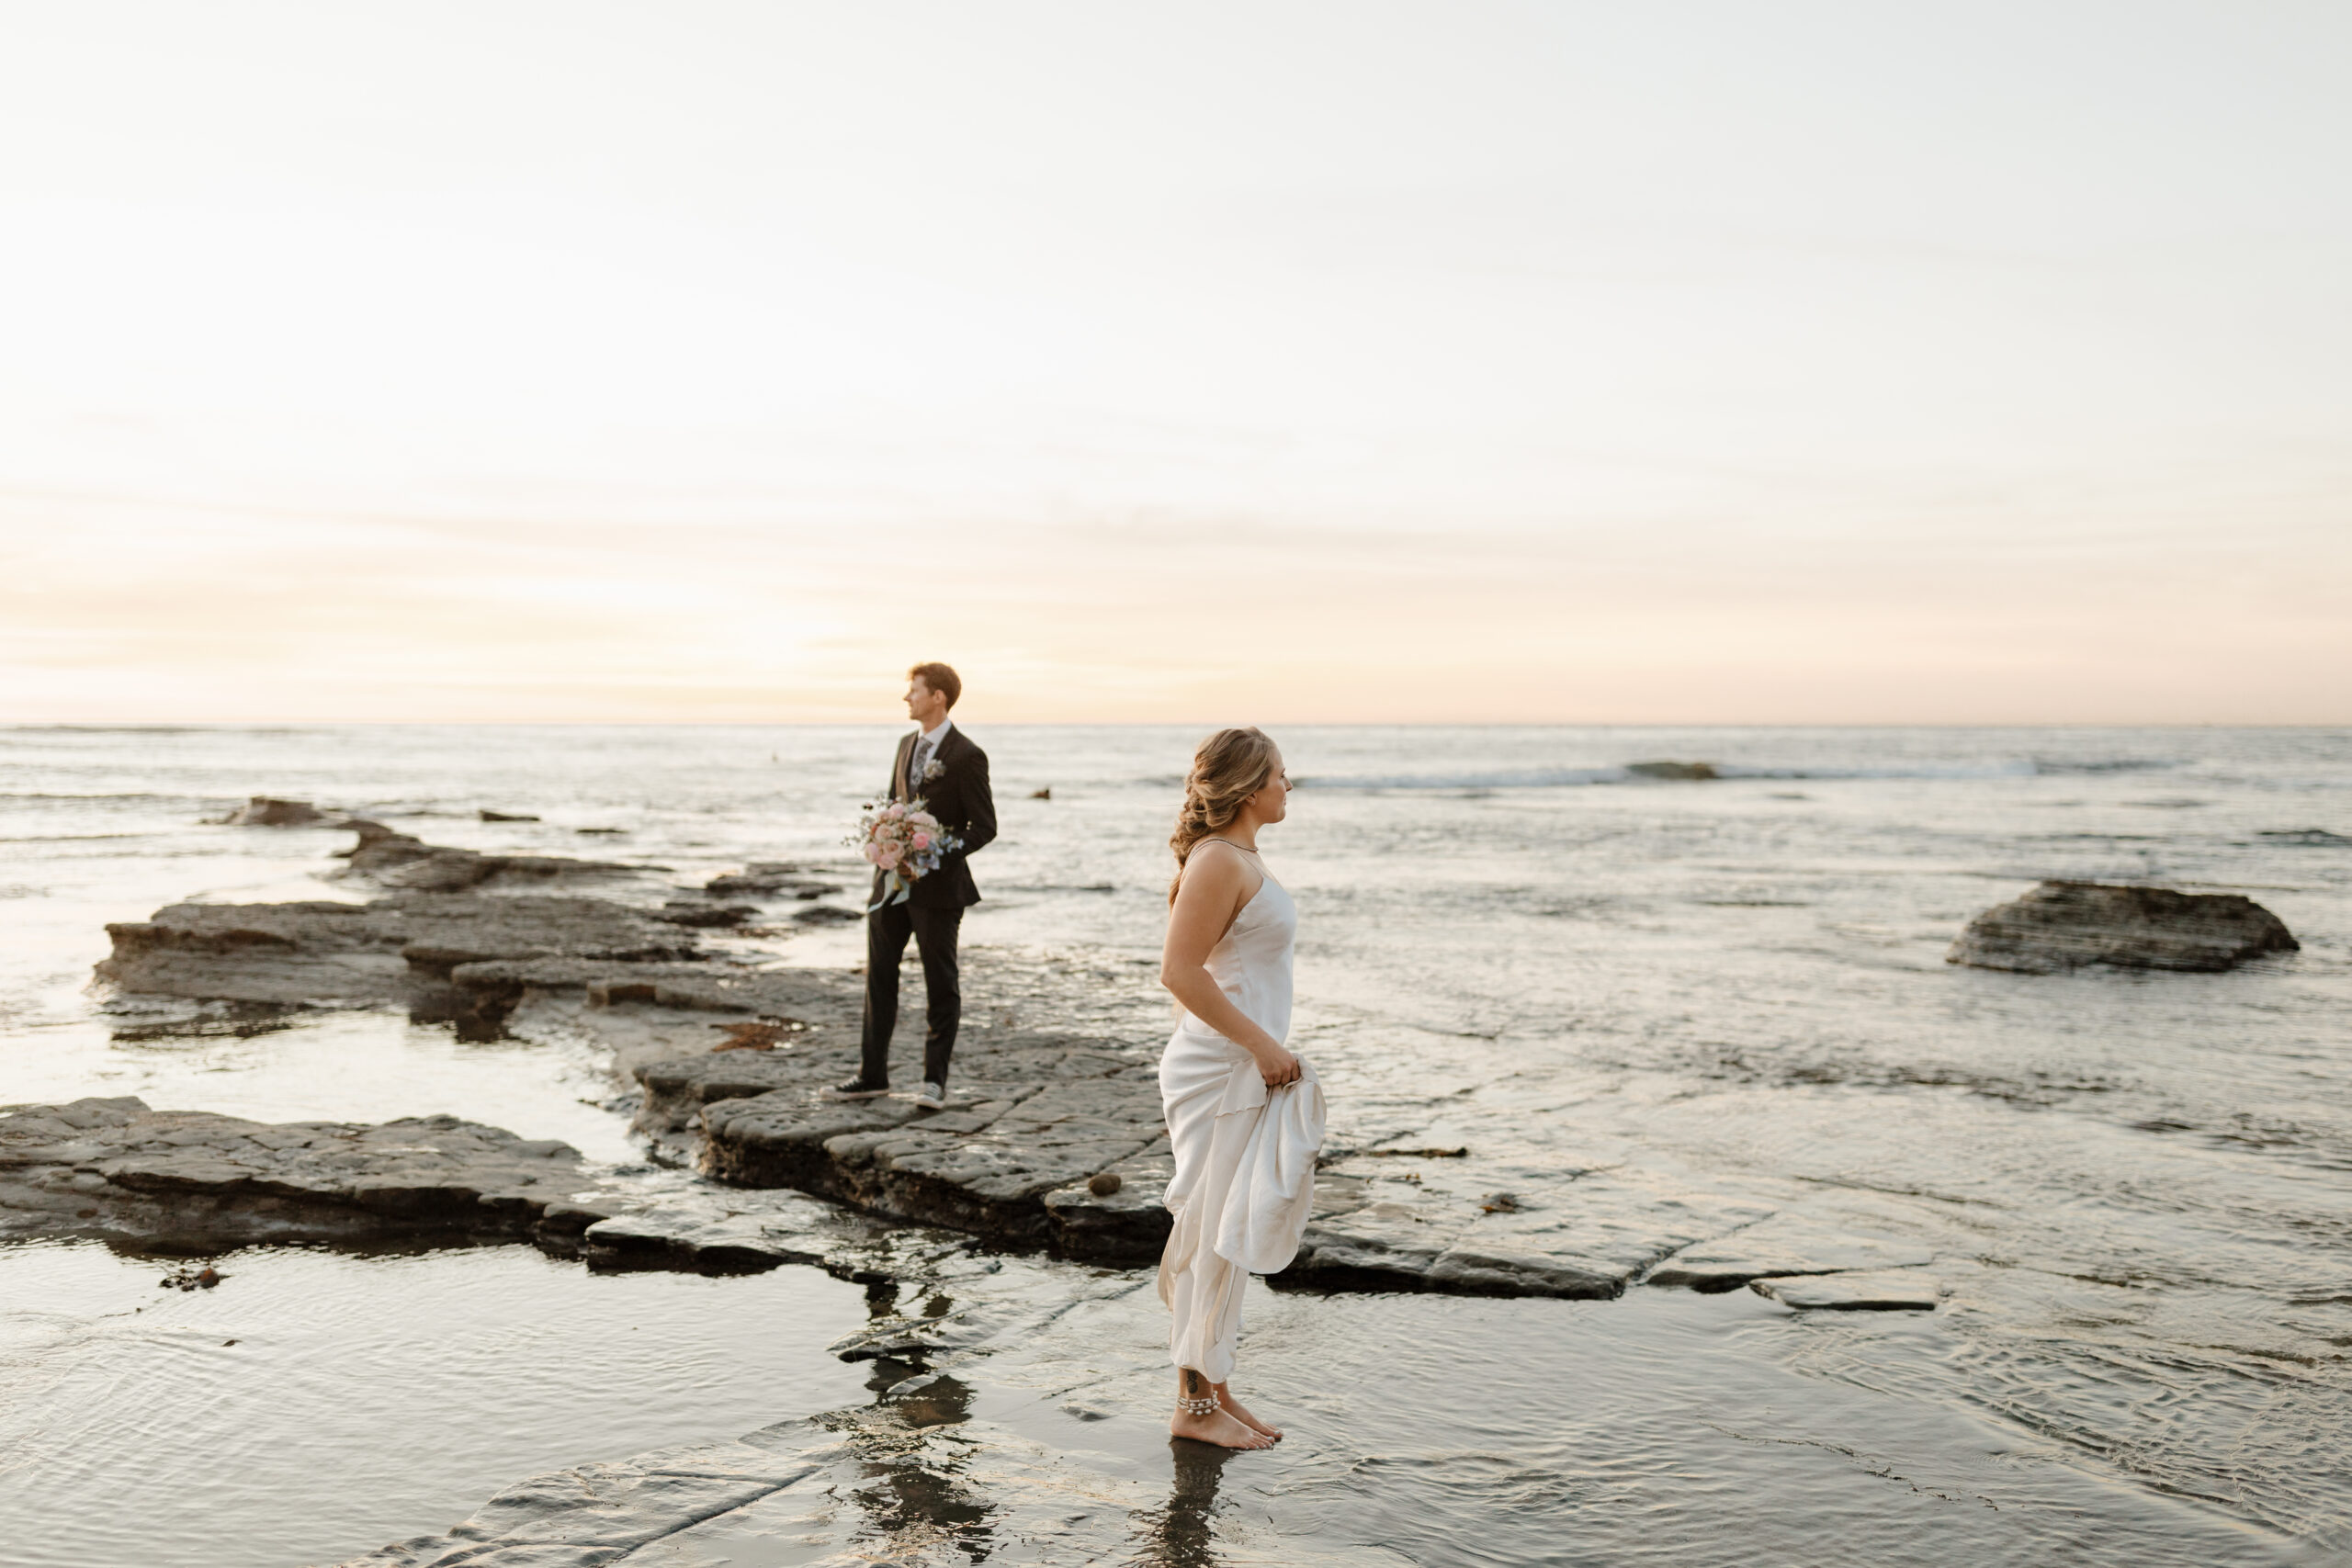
pixel 857 1088
pixel 932 1097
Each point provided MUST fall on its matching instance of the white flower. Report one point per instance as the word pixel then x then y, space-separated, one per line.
pixel 932 769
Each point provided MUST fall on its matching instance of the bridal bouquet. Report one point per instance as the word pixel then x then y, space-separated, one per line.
pixel 902 839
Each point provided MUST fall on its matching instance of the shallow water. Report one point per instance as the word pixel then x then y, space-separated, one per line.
pixel 317 1404
pixel 2137 1185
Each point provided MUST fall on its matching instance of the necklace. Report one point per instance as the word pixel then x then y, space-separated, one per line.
pixel 1213 839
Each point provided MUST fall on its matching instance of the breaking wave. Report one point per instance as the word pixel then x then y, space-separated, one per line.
pixel 1659 773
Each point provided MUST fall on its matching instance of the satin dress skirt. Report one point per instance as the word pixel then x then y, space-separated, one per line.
pixel 1243 1186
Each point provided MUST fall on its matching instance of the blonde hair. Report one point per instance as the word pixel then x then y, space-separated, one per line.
pixel 1227 768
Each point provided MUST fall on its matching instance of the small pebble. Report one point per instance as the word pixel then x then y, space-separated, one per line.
pixel 1102 1183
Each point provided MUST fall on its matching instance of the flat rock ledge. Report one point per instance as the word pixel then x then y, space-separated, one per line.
pixel 2065 925
pixel 191 1181
pixel 1014 1155
pixel 434 910
pixel 1902 1291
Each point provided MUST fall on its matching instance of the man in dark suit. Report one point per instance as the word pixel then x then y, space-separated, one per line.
pixel 938 764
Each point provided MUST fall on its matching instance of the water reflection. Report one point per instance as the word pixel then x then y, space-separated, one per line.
pixel 914 1493
pixel 1181 1535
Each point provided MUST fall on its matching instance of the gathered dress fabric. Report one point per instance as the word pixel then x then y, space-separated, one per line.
pixel 1245 1154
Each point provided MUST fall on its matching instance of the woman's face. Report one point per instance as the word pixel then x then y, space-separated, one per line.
pixel 1271 803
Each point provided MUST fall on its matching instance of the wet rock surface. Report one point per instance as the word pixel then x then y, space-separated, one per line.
pixel 1028 1115
pixel 434 910
pixel 398 949
pixel 267 811
pixel 1783 1246
pixel 393 859
pixel 186 1179
pixel 1571 1233
pixel 1902 1290
pixel 775 879
pixel 2065 925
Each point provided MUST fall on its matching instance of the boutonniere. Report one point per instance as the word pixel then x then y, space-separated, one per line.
pixel 932 769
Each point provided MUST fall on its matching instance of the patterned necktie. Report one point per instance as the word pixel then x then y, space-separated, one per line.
pixel 916 760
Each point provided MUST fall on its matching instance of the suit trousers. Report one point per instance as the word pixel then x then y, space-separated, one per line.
pixel 933 931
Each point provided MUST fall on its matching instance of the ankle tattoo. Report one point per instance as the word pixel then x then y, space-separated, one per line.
pixel 1198 1398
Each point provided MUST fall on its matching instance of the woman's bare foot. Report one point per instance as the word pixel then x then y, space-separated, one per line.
pixel 1217 1427
pixel 1225 1397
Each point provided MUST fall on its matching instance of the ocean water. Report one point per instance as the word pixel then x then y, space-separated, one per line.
pixel 2138 1186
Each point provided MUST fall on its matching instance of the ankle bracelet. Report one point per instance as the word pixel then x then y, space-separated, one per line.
pixel 1200 1407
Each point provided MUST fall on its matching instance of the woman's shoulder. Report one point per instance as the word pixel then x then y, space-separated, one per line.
pixel 1222 864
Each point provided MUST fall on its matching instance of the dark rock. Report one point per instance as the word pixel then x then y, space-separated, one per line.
pixel 186 1178
pixel 1045 793
pixel 2064 925
pixel 392 950
pixel 983 1165
pixel 1681 771
pixel 487 815
pixel 264 811
pixel 827 915
pixel 1029 1115
pixel 600 832
pixel 704 917
pixel 773 879
pixel 2314 838
pixel 399 860
pixel 1129 1224
pixel 1102 1183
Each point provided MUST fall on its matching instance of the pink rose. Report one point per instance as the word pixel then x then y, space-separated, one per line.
pixel 922 840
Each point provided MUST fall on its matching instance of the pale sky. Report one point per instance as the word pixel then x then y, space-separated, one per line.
pixel 1678 363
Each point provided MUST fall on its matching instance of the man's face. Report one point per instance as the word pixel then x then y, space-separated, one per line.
pixel 922 703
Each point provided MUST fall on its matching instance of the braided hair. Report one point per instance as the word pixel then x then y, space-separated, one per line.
pixel 1229 768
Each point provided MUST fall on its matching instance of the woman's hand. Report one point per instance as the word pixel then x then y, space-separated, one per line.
pixel 1277 1066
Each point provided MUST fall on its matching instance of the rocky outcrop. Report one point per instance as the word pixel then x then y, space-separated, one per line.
pixel 773 879
pixel 190 1179
pixel 2065 925
pixel 444 909
pixel 266 811
pixel 1685 772
pixel 391 859
pixel 1031 1116
pixel 398 950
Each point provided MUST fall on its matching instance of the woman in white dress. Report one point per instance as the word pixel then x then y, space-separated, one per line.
pixel 1244 1117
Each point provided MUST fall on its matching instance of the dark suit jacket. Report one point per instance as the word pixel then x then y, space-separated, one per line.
pixel 959 797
